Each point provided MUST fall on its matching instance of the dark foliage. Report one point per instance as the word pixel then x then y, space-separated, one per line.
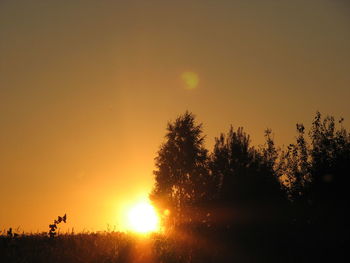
pixel 274 205
pixel 53 227
pixel 182 177
pixel 316 173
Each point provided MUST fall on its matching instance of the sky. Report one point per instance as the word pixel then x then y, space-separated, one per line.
pixel 87 88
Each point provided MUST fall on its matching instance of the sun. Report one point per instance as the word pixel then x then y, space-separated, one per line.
pixel 143 218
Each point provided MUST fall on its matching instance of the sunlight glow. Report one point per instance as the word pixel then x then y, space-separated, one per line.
pixel 143 218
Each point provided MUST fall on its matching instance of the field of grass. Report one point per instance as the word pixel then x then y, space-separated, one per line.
pixel 180 247
pixel 96 247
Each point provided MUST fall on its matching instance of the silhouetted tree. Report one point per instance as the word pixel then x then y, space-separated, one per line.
pixel 253 204
pixel 330 172
pixel 316 175
pixel 181 178
pixel 248 182
pixel 330 165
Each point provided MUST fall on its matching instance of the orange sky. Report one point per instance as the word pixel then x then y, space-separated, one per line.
pixel 87 87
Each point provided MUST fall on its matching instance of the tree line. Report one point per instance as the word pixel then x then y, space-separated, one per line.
pixel 294 196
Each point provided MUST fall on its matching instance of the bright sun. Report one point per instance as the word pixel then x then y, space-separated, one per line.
pixel 143 218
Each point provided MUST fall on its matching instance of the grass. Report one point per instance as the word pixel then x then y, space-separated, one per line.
pixel 92 247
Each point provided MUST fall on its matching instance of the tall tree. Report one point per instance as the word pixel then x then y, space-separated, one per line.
pixel 317 179
pixel 181 175
pixel 247 178
pixel 316 173
pixel 330 175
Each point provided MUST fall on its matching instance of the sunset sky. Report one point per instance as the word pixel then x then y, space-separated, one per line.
pixel 87 88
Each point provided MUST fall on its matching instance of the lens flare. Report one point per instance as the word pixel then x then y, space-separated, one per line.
pixel 191 79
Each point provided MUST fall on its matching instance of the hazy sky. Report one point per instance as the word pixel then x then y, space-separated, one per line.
pixel 87 87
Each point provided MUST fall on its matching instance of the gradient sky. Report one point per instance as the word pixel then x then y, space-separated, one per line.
pixel 87 87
